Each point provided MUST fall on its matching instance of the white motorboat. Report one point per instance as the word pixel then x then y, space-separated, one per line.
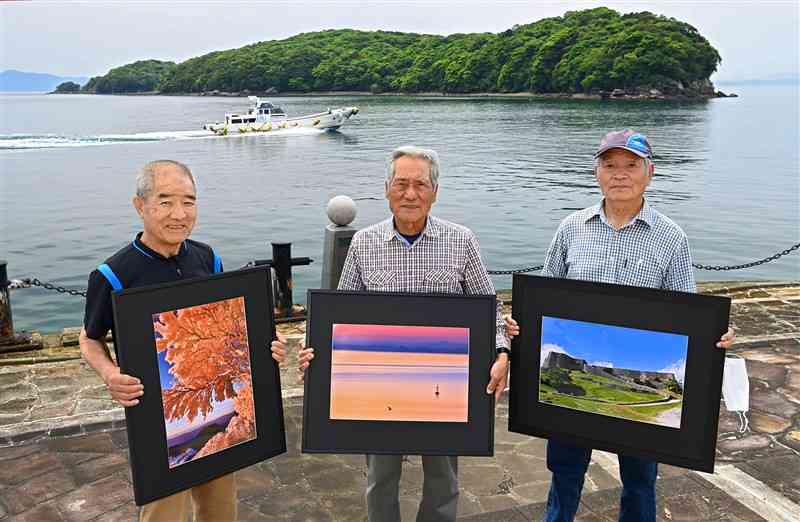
pixel 263 116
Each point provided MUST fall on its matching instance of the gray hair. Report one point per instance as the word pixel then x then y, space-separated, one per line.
pixel 146 177
pixel 414 152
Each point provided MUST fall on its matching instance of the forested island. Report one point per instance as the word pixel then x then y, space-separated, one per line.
pixel 594 52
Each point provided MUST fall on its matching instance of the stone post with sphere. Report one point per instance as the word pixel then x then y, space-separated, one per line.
pixel 338 234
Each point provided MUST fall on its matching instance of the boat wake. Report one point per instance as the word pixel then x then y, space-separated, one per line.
pixel 50 141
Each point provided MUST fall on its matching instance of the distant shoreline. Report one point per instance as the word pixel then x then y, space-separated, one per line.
pixel 335 94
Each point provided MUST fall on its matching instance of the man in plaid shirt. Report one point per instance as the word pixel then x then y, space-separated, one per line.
pixel 415 252
pixel 620 240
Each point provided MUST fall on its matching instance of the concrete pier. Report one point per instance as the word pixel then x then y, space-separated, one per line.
pixel 63 447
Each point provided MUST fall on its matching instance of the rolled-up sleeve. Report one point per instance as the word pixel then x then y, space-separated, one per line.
pixel 555 261
pixel 477 281
pixel 679 275
pixel 351 271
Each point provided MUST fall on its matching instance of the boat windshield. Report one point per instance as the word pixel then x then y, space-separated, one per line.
pixel 278 111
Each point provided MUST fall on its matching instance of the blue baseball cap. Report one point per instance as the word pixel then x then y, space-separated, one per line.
pixel 626 139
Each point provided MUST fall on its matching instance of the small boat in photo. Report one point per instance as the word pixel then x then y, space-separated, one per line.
pixel 263 116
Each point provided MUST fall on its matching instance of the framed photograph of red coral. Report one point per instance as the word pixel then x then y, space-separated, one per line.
pixel 212 401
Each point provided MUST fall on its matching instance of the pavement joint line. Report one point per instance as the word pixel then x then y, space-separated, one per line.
pixel 762 338
pixel 772 299
pixel 609 462
pixel 753 493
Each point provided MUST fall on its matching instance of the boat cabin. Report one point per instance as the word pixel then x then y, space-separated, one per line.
pixel 261 111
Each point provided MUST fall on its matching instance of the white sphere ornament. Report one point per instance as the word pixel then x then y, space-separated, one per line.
pixel 341 210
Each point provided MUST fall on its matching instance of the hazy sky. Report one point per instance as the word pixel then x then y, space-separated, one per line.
pixel 755 39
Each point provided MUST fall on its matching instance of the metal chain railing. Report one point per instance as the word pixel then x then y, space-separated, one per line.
pixel 698 266
pixel 516 271
pixel 29 282
pixel 748 265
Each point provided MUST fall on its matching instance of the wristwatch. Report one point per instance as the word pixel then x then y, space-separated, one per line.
pixel 503 349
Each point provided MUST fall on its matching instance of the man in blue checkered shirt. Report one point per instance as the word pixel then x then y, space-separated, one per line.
pixel 413 251
pixel 620 240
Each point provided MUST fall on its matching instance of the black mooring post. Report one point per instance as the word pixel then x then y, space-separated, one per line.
pixel 282 264
pixel 6 322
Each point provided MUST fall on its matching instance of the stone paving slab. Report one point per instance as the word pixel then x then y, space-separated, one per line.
pixel 87 478
pixel 74 466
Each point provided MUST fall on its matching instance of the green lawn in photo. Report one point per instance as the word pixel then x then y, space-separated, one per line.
pixel 609 395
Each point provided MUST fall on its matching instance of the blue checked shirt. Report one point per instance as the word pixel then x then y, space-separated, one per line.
pixel 651 251
pixel 444 259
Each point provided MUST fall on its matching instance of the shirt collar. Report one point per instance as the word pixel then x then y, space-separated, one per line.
pixel 389 232
pixel 152 254
pixel 646 214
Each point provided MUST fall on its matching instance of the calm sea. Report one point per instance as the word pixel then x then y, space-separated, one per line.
pixel 726 171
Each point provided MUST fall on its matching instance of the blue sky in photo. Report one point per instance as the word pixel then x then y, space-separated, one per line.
pixel 397 338
pixel 167 380
pixel 615 346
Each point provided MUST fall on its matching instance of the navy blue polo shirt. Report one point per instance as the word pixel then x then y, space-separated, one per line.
pixel 137 265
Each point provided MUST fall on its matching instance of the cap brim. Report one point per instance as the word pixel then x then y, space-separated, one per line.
pixel 606 149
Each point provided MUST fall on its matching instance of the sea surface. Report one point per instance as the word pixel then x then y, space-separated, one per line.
pixel 727 170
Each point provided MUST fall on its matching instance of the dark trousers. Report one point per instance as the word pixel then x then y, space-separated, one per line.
pixel 568 465
pixel 439 488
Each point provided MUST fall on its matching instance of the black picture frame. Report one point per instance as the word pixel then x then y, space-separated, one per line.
pixel 154 475
pixel 702 318
pixel 321 434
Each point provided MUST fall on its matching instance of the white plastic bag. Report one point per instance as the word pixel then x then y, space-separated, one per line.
pixel 736 389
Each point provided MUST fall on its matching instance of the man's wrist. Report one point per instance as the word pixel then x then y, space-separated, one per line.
pixel 503 355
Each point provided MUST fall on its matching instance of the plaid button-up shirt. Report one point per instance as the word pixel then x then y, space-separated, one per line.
pixel 444 259
pixel 650 251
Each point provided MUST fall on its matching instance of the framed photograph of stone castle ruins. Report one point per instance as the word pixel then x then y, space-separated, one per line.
pixel 399 374
pixel 212 401
pixel 618 368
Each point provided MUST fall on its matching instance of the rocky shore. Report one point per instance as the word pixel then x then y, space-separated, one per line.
pixel 673 91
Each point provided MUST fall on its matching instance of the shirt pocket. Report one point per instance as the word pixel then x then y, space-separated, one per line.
pixel 442 281
pixel 642 271
pixel 380 280
pixel 588 266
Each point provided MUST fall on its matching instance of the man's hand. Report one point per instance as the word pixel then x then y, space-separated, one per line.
pixel 304 357
pixel 498 376
pixel 512 328
pixel 278 348
pixel 124 389
pixel 726 340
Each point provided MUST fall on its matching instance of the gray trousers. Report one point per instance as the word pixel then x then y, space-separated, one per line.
pixel 439 489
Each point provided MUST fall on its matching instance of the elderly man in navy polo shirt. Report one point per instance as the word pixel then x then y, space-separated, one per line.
pixel 620 240
pixel 166 200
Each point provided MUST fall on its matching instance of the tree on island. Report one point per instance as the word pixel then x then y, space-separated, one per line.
pixel 589 51
pixel 68 88
pixel 207 348
pixel 141 76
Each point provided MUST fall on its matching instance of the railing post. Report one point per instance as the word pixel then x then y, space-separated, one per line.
pixel 341 211
pixel 6 320
pixel 282 264
pixel 9 340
